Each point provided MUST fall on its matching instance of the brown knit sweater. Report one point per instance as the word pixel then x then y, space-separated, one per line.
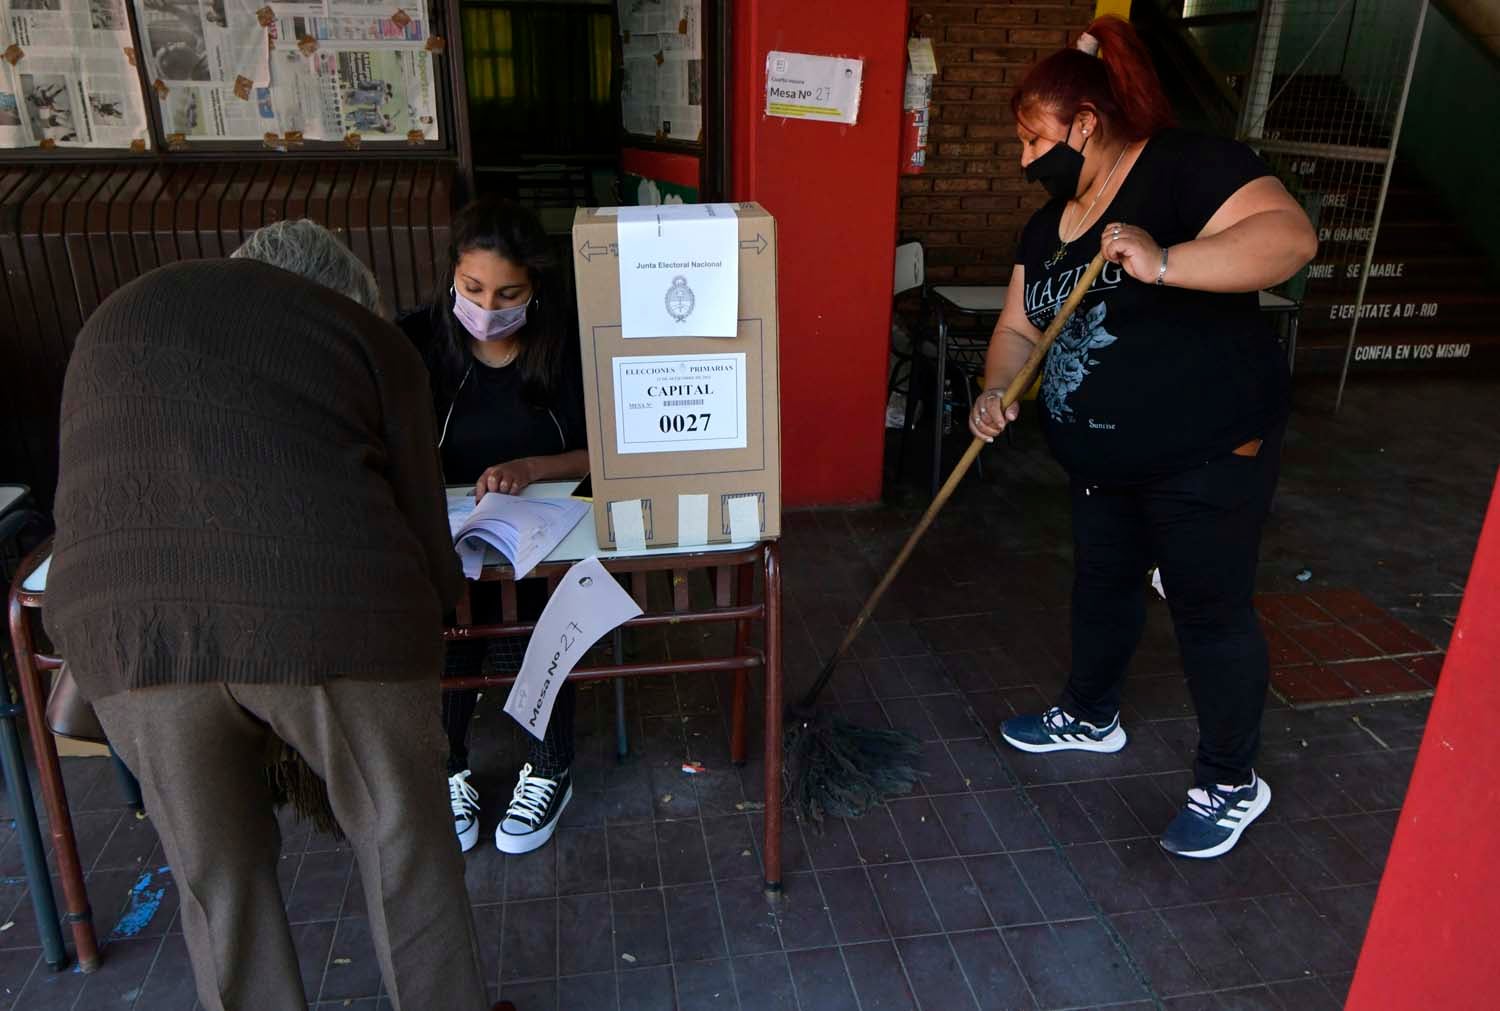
pixel 249 491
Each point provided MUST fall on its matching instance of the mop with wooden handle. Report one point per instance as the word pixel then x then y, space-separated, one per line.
pixel 832 766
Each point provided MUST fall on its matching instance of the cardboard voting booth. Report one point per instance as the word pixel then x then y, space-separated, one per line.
pixel 678 326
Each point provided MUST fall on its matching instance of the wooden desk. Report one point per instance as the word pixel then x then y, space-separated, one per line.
pixel 731 568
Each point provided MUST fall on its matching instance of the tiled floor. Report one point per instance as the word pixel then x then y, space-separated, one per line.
pixel 1332 646
pixel 1007 881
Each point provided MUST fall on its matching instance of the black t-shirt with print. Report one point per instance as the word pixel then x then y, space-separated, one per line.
pixel 1147 380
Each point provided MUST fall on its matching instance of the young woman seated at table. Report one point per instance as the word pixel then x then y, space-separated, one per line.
pixel 508 393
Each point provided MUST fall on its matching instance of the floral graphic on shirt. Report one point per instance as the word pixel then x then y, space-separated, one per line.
pixel 1071 359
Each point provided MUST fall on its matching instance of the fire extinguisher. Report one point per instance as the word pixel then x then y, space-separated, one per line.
pixel 914 114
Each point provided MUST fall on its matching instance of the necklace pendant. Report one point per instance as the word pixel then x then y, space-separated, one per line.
pixel 1062 251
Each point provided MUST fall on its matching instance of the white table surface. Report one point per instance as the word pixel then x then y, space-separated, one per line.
pixel 974 297
pixel 582 543
pixel 578 545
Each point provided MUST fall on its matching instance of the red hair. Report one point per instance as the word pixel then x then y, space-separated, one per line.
pixel 1120 84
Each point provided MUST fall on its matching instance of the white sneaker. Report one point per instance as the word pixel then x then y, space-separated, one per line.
pixel 535 807
pixel 465 802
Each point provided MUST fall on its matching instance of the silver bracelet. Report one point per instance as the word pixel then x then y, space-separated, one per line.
pixel 1161 272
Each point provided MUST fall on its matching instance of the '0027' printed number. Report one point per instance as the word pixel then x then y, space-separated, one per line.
pixel 670 423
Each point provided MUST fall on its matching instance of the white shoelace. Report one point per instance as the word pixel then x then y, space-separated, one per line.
pixel 1201 802
pixel 463 797
pixel 1055 718
pixel 531 797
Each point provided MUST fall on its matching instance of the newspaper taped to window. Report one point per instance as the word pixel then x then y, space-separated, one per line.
pixel 303 104
pixel 368 73
pixel 211 112
pixel 204 41
pixel 662 92
pixel 73 85
pixel 372 31
pixel 383 94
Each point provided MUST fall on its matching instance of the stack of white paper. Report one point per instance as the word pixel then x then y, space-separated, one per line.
pixel 524 530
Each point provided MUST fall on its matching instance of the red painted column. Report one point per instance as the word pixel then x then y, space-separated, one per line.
pixel 1434 935
pixel 832 189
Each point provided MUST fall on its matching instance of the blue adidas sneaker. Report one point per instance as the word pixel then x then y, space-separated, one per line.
pixel 1214 818
pixel 1055 730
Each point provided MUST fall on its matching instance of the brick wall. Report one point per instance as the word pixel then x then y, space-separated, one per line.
pixel 968 207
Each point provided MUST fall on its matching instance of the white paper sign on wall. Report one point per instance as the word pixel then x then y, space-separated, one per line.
pixel 820 88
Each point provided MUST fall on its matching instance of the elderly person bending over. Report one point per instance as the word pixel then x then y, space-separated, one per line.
pixel 252 548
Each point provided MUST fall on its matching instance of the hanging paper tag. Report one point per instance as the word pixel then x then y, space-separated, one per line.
pixel 587 604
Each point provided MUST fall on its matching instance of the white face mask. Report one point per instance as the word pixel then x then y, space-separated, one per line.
pixel 488 324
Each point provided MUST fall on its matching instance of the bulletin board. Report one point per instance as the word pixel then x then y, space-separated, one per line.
pixel 114 77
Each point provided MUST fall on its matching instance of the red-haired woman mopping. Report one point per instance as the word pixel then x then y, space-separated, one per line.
pixel 1164 398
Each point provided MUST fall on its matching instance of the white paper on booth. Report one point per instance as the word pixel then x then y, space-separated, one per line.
pixel 679 271
pixel 629 525
pixel 744 518
pixel 680 403
pixel 587 604
pixel 692 520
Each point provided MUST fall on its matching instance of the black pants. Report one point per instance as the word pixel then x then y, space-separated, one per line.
pixel 468 658
pixel 1202 527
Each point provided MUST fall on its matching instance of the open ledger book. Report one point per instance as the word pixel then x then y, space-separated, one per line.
pixel 524 530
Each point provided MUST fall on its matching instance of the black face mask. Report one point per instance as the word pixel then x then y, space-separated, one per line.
pixel 1059 169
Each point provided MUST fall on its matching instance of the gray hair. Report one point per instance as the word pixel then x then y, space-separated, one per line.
pixel 308 249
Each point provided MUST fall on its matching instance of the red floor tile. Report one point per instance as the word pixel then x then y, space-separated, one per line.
pixel 1310 683
pixel 1289 610
pixel 1392 636
pixel 1380 677
pixel 1284 650
pixel 1333 642
pixel 1348 606
pixel 1333 645
pixel 1426 667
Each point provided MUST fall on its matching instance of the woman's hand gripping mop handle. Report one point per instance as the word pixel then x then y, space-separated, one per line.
pixel 1018 387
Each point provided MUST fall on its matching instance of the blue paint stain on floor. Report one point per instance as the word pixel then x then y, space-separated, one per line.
pixel 144 903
